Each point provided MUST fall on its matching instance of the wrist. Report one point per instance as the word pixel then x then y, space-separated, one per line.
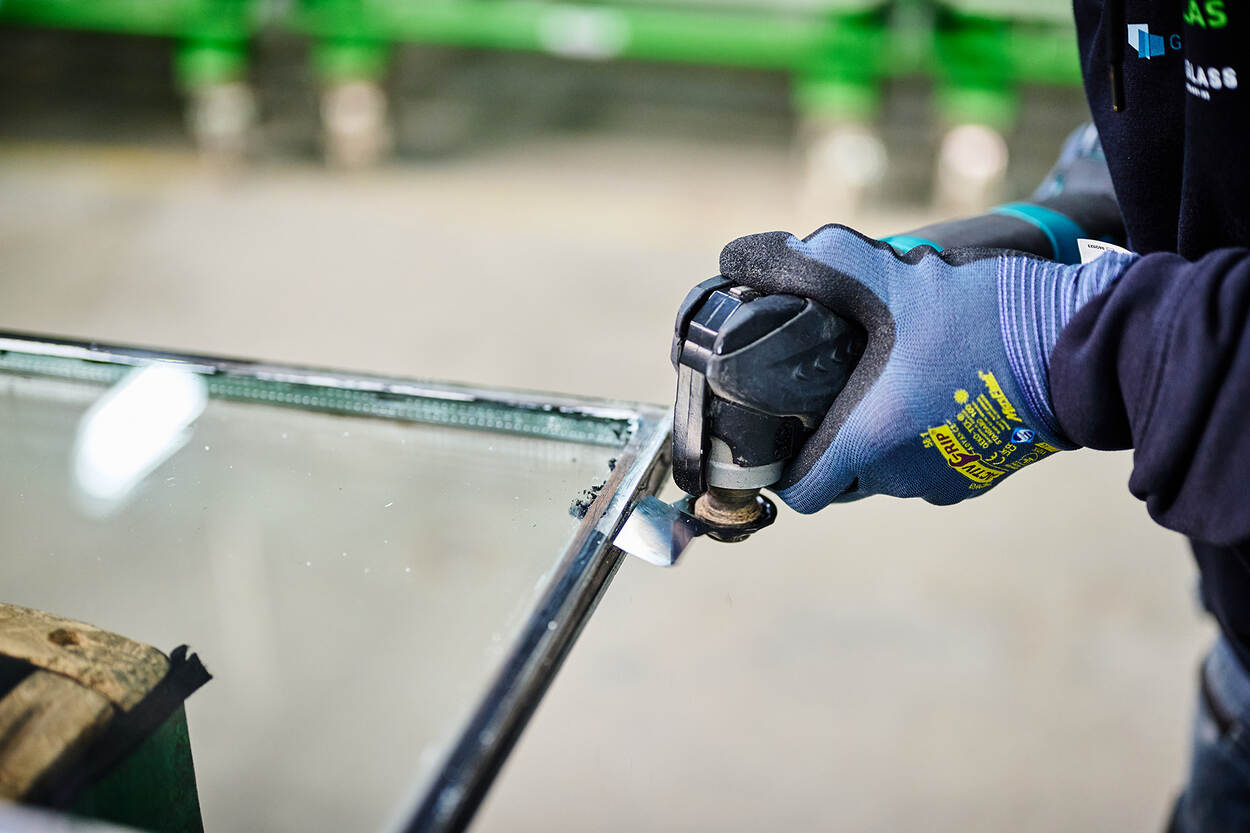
pixel 1037 298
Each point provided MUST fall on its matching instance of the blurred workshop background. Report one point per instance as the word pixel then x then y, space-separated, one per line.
pixel 518 193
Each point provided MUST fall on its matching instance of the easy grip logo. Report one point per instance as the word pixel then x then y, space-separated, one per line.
pixel 986 438
pixel 961 459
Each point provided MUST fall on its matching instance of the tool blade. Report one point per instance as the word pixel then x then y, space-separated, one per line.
pixel 659 532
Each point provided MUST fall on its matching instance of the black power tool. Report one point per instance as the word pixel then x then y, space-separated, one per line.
pixel 757 373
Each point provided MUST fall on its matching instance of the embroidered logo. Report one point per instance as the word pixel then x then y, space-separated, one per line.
pixel 1202 81
pixel 1210 14
pixel 1148 45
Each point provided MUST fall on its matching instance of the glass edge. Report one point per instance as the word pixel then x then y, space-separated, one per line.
pixel 553 416
pixel 578 583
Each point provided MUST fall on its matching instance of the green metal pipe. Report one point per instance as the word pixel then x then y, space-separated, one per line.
pixel 207 19
pixel 658 33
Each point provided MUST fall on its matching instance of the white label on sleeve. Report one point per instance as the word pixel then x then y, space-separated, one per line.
pixel 1091 250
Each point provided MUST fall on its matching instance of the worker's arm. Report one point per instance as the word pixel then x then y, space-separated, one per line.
pixel 968 346
pixel 1161 363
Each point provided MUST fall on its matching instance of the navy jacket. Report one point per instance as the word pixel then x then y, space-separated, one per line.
pixel 1161 361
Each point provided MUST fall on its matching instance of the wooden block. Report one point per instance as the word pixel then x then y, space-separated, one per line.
pixel 121 670
pixel 45 723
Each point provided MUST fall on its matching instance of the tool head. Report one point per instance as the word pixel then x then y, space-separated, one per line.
pixel 755 376
pixel 659 532
pixel 733 515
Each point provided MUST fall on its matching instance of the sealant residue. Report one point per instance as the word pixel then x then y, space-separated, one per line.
pixel 581 504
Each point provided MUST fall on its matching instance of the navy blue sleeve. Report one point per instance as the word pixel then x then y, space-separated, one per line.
pixel 1160 362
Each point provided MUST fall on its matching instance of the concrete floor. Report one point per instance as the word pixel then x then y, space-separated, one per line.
pixel 1022 662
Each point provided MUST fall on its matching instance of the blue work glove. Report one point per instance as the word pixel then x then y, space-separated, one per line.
pixel 952 393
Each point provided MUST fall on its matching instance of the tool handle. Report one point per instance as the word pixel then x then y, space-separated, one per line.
pixel 1048 227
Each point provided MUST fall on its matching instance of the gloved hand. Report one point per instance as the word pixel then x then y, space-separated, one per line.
pixel 952 393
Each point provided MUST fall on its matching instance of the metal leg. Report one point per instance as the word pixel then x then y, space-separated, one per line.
pixel 971 169
pixel 838 95
pixel 221 118
pixel 221 107
pixel 354 123
pixel 843 160
pixel 355 126
pixel 977 103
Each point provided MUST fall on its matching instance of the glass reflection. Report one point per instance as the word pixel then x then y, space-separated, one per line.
pixel 131 430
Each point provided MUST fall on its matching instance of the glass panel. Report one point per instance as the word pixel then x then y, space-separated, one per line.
pixel 352 583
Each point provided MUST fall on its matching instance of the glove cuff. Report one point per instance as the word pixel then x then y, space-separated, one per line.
pixel 1036 300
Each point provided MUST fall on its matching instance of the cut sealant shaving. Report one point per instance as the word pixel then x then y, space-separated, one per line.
pixel 581 504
